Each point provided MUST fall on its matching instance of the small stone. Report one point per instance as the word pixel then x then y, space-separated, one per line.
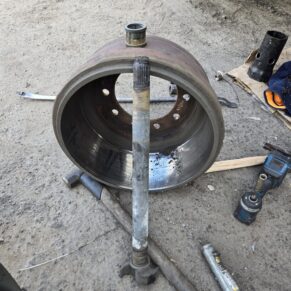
pixel 253 247
pixel 210 187
pixel 254 118
pixel 57 225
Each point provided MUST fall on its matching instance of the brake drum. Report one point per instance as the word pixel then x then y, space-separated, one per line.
pixel 95 132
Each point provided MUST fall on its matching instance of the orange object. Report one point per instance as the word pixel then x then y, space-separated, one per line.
pixel 274 100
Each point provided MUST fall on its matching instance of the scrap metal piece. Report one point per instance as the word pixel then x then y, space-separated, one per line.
pixel 225 102
pixel 29 95
pixel 225 280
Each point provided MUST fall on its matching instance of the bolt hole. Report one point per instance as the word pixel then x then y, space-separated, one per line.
pixel 156 125
pixel 159 89
pixel 186 97
pixel 176 116
pixel 105 92
pixel 115 112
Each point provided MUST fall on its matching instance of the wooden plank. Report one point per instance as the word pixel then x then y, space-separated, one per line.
pixel 236 164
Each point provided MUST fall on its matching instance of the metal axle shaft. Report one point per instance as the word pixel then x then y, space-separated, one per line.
pixel 140 148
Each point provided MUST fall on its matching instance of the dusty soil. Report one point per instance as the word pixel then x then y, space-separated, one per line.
pixel 42 44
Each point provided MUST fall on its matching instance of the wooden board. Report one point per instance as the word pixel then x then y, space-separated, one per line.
pixel 236 164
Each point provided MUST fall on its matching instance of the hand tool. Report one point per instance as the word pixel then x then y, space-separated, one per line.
pixel 275 168
pixel 213 258
pixel 219 76
pixel 78 176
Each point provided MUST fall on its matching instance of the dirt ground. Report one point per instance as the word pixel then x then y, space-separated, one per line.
pixel 42 44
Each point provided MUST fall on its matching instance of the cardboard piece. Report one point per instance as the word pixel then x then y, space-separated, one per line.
pixel 255 88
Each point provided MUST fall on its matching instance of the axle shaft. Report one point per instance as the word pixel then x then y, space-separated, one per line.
pixel 140 148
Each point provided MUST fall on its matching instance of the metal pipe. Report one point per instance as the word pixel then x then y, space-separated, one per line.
pixel 29 95
pixel 140 149
pixel 225 280
pixel 267 55
pixel 135 34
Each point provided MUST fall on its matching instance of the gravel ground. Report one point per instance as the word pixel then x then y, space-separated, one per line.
pixel 42 44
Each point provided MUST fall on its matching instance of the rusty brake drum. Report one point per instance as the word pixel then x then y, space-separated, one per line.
pixel 95 131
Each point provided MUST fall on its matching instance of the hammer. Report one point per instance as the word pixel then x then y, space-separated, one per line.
pixel 78 176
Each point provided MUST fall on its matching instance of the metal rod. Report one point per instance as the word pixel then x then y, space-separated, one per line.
pixel 153 100
pixel 29 95
pixel 32 96
pixel 225 280
pixel 140 149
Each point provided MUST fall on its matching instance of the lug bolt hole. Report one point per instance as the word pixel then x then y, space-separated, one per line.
pixel 176 116
pixel 186 97
pixel 156 125
pixel 115 112
pixel 105 92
